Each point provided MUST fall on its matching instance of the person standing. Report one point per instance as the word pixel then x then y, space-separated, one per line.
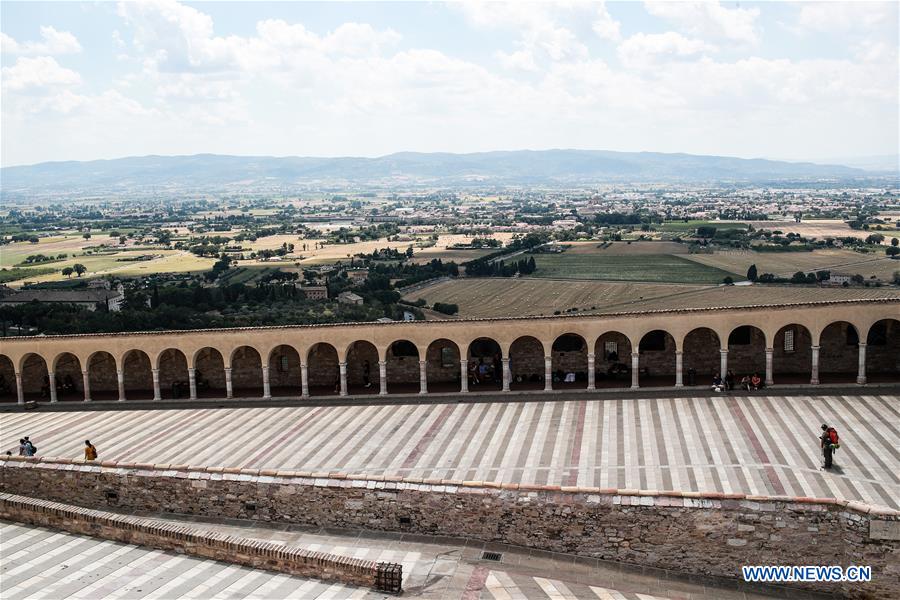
pixel 829 442
pixel 90 452
pixel 367 378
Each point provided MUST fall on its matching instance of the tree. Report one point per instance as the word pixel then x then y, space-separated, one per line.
pixel 798 277
pixel 895 242
pixel 728 280
pixel 409 252
pixel 875 238
pixel 68 271
pixel 86 235
pixel 80 269
pixel 892 251
pixel 447 309
pixel 751 273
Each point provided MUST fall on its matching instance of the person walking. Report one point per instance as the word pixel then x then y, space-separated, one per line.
pixel 367 370
pixel 829 442
pixel 90 452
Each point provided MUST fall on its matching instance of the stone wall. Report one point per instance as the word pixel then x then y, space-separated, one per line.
pixel 705 534
pixel 191 540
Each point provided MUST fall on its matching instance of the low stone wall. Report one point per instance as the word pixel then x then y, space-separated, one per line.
pixel 706 534
pixel 191 540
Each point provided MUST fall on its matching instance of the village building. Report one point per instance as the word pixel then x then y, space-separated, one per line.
pixel 350 298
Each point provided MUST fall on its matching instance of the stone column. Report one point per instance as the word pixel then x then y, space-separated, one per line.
pixel 635 370
pixel 157 393
pixel 507 376
pixel 229 390
pixel 304 381
pixel 548 373
pixel 52 377
pixel 814 373
pixel 343 368
pixel 770 352
pixel 464 373
pixel 86 378
pixel 382 378
pixel 192 382
pixel 861 376
pixel 423 376
pixel 20 390
pixel 267 390
pixel 120 375
pixel 592 374
pixel 723 362
pixel 679 368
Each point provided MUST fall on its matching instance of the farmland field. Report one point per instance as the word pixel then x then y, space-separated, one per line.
pixel 787 263
pixel 820 229
pixel 653 268
pixel 498 297
pixel 691 225
pixel 624 248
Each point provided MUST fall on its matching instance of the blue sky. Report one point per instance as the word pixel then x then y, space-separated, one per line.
pixel 787 80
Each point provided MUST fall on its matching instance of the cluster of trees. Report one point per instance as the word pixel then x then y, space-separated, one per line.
pixel 36 259
pixel 501 268
pixel 387 254
pixel 446 308
pixel 485 267
pixel 78 269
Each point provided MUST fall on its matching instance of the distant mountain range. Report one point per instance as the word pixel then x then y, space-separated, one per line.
pixel 521 167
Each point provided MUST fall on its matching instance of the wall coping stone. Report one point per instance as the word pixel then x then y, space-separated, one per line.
pixel 441 322
pixel 392 483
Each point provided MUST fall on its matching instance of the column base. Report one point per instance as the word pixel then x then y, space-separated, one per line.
pixel 634 386
pixel 591 387
pixel 813 382
pixel 382 393
pixel 269 397
pixel 861 380
pixel 87 399
pixel 121 399
pixel 678 385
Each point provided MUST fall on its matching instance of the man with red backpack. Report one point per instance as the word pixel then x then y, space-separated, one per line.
pixel 829 442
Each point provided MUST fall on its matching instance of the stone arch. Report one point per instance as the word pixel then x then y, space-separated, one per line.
pixel 8 392
pixel 137 375
pixel 209 372
pixel 402 367
pixel 569 360
pixel 526 363
pixel 612 360
pixel 103 376
pixel 36 380
pixel 839 353
pixel 173 374
pixel 747 351
pixel 485 364
pixel 363 369
pixel 246 372
pixel 701 356
pixel 883 351
pixel 442 366
pixel 657 359
pixel 68 376
pixel 323 370
pixel 792 354
pixel 284 371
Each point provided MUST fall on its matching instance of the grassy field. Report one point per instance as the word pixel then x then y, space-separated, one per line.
pixel 515 297
pixel 691 225
pixel 788 263
pixel 653 268
pixel 820 229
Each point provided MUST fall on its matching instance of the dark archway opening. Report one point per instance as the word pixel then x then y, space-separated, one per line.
pixel 657 359
pixel 246 373
pixel 839 353
pixel 209 373
pixel 138 375
pixel 526 364
pixel 173 374
pixel 442 367
pixel 612 360
pixel 363 370
pixel 485 365
pixel 36 378
pixel 569 362
pixel 103 376
pixel 747 353
pixel 8 392
pixel 792 355
pixel 284 371
pixel 323 370
pixel 402 368
pixel 69 379
pixel 701 357
pixel 883 352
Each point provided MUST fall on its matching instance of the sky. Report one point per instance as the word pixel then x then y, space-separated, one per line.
pixel 791 80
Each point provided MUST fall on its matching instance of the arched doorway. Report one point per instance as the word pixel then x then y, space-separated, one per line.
pixel 569 362
pixel 526 364
pixel 173 374
pixel 246 372
pixel 485 366
pixel 883 351
pixel 792 355
pixel 36 378
pixel 839 353
pixel 69 378
pixel 657 359
pixel 701 357
pixel 402 368
pixel 363 370
pixel 612 360
pixel 747 352
pixel 209 373
pixel 442 368
pixel 323 370
pixel 8 392
pixel 138 375
pixel 284 371
pixel 103 376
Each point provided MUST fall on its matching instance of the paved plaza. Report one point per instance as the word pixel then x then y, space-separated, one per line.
pixel 742 444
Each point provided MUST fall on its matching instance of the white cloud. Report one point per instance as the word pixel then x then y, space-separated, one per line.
pixel 36 73
pixel 605 26
pixel 521 59
pixel 645 49
pixel 53 43
pixel 844 16
pixel 709 19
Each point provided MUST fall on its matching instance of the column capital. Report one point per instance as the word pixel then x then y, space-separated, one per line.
pixel 770 350
pixel 464 360
pixel 505 359
pixel 228 369
pixel 723 350
pixel 423 362
pixel 814 347
pixel 191 369
pixel 862 344
pixel 265 367
pixel 591 355
pixel 382 362
pixel 679 352
pixel 635 355
pixel 343 363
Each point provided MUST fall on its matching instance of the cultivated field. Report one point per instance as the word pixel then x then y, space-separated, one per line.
pixel 515 297
pixel 691 225
pixel 820 229
pixel 787 263
pixel 654 268
pixel 625 248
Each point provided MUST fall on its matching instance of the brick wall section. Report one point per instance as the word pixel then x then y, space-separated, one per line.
pixel 188 539
pixel 705 534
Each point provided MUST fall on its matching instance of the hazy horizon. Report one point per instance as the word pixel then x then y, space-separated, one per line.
pixel 782 81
